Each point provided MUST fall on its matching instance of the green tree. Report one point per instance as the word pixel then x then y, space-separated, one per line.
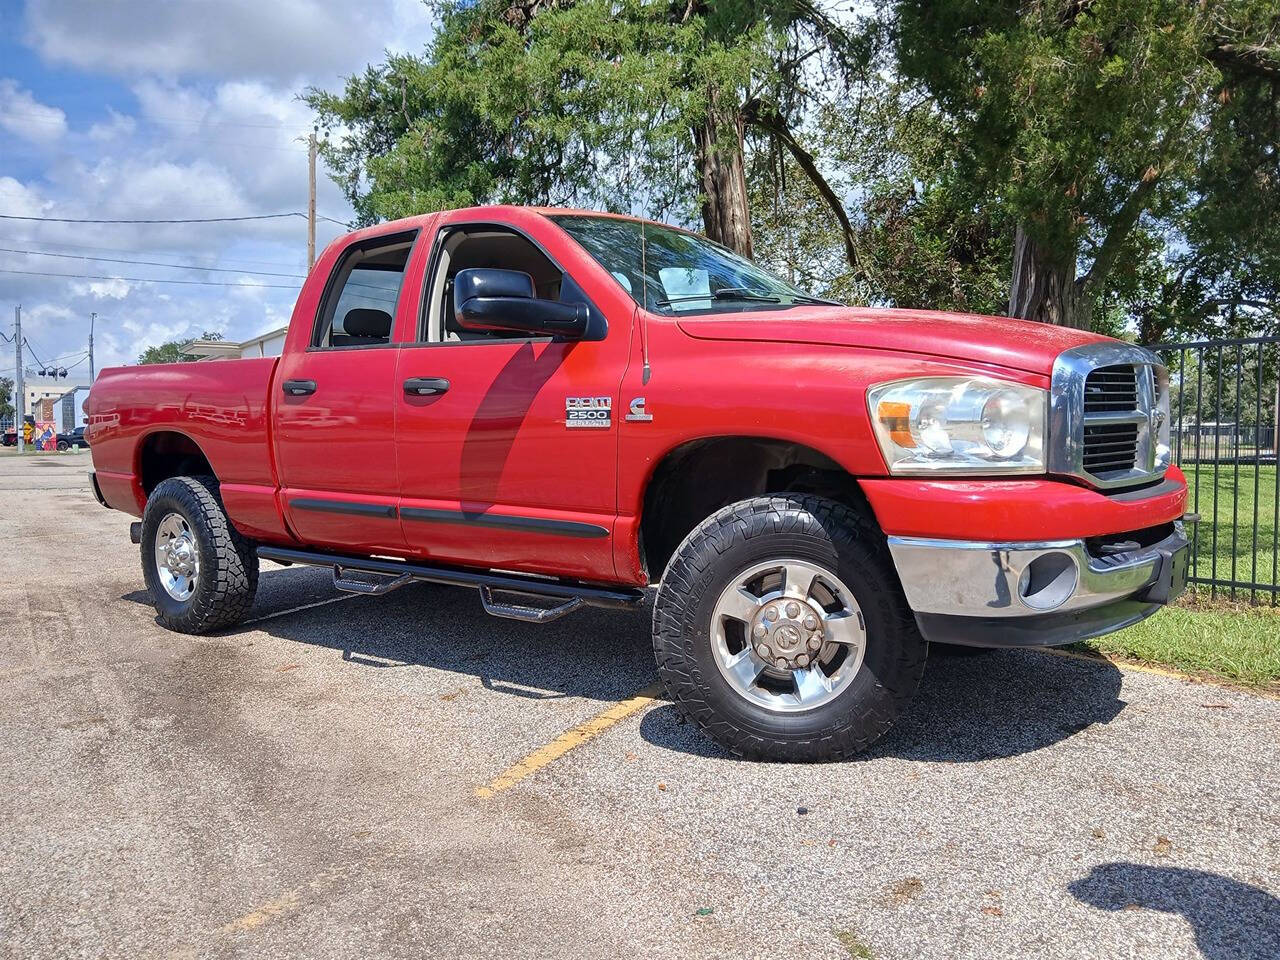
pixel 619 104
pixel 171 351
pixel 6 397
pixel 922 237
pixel 1133 143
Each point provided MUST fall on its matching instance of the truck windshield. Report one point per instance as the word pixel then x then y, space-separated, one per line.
pixel 671 271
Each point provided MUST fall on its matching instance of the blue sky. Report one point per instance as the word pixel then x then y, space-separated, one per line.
pixel 134 109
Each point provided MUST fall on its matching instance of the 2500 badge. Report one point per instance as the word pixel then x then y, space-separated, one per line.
pixel 588 411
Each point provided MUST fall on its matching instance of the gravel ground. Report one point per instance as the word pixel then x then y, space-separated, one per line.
pixel 304 786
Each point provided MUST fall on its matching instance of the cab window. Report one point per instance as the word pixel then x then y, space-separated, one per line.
pixel 359 307
pixel 464 247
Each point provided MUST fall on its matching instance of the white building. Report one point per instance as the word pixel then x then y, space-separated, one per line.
pixel 37 389
pixel 269 344
pixel 44 388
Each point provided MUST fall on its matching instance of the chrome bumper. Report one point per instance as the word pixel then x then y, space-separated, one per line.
pixel 1019 594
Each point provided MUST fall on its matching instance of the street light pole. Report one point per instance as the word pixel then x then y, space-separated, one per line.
pixel 20 388
pixel 92 318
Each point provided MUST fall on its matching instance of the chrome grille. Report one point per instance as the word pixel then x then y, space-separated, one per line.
pixel 1111 447
pixel 1111 388
pixel 1108 410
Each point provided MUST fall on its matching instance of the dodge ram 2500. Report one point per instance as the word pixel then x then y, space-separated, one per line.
pixel 563 408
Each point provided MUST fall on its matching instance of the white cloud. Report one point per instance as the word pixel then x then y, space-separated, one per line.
pixel 119 125
pixel 115 289
pixel 281 39
pixel 24 116
pixel 19 199
pixel 216 132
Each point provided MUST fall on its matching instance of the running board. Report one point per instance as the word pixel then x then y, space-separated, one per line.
pixel 526 612
pixel 391 574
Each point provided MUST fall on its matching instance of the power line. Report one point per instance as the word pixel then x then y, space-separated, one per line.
pixel 147 263
pixel 200 283
pixel 205 256
pixel 31 350
pixel 261 216
pixel 44 118
pixel 65 356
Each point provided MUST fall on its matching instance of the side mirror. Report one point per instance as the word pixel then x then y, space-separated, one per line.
pixel 487 299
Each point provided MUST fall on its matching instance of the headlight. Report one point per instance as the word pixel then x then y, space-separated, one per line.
pixel 1164 456
pixel 959 425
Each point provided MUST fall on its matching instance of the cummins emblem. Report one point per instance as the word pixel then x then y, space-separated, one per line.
pixel 588 411
pixel 637 413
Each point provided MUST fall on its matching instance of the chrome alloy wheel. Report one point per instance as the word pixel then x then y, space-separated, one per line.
pixel 788 635
pixel 177 557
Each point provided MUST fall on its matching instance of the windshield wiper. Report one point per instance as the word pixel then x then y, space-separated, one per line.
pixel 805 298
pixel 725 293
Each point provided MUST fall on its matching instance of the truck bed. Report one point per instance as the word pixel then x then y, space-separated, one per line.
pixel 143 416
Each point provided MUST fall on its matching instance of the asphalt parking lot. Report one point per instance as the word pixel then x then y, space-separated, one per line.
pixel 336 779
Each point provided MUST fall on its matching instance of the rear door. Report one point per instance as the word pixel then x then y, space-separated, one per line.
pixel 335 414
pixel 497 468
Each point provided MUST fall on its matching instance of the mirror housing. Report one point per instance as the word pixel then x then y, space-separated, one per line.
pixel 486 300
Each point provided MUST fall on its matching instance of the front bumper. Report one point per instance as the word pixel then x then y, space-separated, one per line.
pixel 1035 593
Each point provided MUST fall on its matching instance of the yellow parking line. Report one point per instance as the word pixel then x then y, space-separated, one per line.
pixel 287 902
pixel 570 739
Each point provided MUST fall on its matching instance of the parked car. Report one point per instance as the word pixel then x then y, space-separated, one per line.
pixel 10 438
pixel 76 438
pixel 564 408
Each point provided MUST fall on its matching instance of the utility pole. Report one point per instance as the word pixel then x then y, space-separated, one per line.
pixel 311 199
pixel 92 318
pixel 20 388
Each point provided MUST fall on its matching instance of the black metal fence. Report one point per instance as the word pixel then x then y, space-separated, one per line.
pixel 1225 430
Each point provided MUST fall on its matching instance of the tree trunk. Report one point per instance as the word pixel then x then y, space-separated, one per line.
pixel 718 155
pixel 1044 287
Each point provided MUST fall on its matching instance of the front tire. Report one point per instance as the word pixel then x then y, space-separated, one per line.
pixel 202 574
pixel 781 630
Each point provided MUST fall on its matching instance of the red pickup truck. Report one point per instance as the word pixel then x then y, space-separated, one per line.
pixel 563 408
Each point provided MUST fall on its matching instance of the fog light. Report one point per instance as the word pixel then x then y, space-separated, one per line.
pixel 1048 581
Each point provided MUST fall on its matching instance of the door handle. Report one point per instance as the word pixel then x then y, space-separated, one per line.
pixel 425 386
pixel 299 388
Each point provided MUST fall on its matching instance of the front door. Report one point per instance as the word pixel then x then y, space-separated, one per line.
pixel 335 414
pixel 508 445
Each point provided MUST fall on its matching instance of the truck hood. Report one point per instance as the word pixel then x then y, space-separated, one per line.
pixel 1016 344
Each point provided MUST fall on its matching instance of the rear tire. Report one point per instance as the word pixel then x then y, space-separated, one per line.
pixel 202 574
pixel 694 639
pixel 63 446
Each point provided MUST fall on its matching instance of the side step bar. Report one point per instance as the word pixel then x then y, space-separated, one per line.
pixel 391 574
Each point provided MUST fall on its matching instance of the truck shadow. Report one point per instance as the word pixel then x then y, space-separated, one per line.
pixel 1230 919
pixel 998 704
pixel 968 708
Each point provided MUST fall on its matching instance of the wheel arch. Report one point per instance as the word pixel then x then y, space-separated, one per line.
pixel 697 477
pixel 165 453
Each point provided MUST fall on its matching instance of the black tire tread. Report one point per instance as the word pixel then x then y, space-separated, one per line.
pixel 224 599
pixel 678 598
